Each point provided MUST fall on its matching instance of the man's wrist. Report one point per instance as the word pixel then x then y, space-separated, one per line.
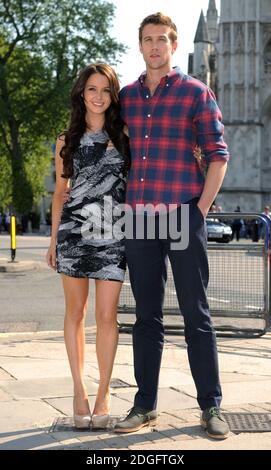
pixel 204 210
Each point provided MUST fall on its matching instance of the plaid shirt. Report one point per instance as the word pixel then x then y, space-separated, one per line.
pixel 164 130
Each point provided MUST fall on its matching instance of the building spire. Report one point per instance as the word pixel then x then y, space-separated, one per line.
pixel 212 21
pixel 212 6
pixel 202 30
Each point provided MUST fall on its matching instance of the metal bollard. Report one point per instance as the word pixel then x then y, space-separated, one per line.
pixel 13 237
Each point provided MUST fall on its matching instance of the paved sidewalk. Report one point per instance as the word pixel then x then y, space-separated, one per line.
pixel 6 266
pixel 36 388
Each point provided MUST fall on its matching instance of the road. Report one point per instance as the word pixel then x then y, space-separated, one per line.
pixel 33 300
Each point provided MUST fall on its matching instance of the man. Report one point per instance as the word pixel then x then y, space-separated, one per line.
pixel 236 225
pixel 266 212
pixel 168 114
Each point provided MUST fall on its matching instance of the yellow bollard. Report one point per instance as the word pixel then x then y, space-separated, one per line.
pixel 13 236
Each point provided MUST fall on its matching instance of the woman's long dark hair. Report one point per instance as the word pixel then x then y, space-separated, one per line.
pixel 113 121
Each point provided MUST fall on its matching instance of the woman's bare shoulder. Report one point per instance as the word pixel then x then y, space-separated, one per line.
pixel 60 140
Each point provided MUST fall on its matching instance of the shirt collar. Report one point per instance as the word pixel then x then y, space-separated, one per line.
pixel 169 78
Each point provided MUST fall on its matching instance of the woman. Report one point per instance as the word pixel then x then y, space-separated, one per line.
pixel 92 157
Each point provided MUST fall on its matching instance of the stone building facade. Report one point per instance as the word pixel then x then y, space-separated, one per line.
pixel 233 56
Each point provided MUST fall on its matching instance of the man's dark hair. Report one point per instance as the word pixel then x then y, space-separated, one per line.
pixel 159 18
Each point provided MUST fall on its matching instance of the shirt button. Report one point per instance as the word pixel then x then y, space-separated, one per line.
pixel 146 136
pixel 144 158
pixel 141 179
pixel 147 96
pixel 149 115
pixel 167 84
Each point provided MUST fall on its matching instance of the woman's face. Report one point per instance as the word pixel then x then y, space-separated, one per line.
pixel 97 94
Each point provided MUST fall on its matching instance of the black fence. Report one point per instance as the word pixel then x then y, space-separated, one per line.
pixel 239 291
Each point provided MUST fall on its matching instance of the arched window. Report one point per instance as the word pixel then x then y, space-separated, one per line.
pixel 267 57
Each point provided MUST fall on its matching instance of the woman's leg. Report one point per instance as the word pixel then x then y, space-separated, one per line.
pixel 76 294
pixel 107 297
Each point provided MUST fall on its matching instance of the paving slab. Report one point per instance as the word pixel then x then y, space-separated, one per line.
pixel 43 388
pixel 25 414
pixel 37 440
pixel 241 441
pixel 36 388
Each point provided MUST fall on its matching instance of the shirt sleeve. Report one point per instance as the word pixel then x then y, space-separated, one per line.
pixel 209 128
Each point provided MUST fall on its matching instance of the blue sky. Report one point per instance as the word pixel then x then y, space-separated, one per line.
pixel 129 14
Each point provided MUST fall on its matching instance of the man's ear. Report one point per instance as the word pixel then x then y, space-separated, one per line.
pixel 140 47
pixel 174 46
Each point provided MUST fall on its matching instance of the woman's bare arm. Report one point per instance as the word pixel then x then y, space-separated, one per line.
pixel 61 186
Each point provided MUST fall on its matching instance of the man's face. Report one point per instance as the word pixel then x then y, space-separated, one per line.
pixel 156 46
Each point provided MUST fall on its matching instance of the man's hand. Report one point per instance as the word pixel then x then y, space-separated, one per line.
pixel 213 181
pixel 203 210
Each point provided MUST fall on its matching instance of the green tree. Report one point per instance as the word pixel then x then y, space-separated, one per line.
pixel 43 45
pixel 5 178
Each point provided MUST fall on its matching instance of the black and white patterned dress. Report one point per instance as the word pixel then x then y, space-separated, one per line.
pixel 86 244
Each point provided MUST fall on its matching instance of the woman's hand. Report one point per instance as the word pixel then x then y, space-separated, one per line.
pixel 51 256
pixel 197 153
pixel 66 195
pixel 126 130
pixel 200 159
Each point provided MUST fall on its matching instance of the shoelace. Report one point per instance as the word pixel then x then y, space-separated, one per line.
pixel 134 412
pixel 215 412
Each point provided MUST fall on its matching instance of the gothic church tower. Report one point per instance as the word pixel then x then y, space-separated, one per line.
pixel 244 94
pixel 202 63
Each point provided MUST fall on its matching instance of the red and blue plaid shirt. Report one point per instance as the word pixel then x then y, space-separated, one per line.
pixel 164 130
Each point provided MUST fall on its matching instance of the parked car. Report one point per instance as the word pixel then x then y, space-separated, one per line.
pixel 218 231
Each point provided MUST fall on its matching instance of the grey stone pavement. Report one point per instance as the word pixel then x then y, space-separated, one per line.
pixel 36 394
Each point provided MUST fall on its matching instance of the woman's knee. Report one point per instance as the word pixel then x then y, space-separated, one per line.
pixel 106 317
pixel 76 313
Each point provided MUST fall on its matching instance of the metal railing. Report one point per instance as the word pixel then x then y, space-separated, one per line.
pixel 239 291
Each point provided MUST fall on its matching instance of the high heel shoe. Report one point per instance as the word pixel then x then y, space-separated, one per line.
pixel 100 421
pixel 82 421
